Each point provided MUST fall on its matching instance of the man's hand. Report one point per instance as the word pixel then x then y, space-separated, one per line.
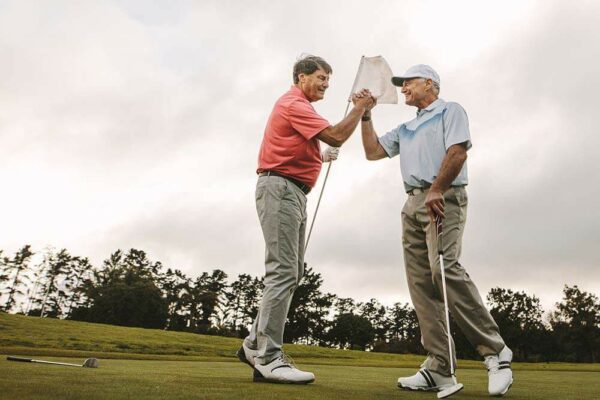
pixel 435 204
pixel 451 165
pixel 364 99
pixel 330 154
pixel 336 135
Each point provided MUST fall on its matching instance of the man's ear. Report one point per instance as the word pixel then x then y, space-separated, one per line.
pixel 428 84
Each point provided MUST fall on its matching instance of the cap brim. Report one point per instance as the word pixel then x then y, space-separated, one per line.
pixel 398 80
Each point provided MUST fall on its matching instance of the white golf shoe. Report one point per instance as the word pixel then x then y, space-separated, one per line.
pixel 281 370
pixel 247 355
pixel 426 380
pixel 499 372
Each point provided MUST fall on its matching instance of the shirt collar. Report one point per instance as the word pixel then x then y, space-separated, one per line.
pixel 296 91
pixel 430 107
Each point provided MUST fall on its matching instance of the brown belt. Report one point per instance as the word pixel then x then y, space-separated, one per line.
pixel 305 188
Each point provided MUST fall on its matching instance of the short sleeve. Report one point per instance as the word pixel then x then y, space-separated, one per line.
pixel 304 119
pixel 456 126
pixel 390 142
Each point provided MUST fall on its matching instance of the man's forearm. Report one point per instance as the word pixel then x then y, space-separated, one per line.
pixel 341 131
pixel 373 149
pixel 451 166
pixel 369 139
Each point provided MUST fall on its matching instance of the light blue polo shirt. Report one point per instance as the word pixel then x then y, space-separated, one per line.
pixel 422 143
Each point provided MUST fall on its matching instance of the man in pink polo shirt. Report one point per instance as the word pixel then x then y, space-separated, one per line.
pixel 289 163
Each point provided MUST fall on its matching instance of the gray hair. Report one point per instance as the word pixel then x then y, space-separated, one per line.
pixel 436 88
pixel 308 64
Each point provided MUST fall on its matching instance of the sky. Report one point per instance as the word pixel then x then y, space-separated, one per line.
pixel 137 124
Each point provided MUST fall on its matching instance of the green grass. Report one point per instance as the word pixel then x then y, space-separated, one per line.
pixel 153 364
pixel 51 337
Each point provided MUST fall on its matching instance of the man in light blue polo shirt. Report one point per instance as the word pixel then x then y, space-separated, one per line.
pixel 433 150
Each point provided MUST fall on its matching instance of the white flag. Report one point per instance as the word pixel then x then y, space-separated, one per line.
pixel 375 74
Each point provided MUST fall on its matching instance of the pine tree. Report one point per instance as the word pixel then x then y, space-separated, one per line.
pixel 576 325
pixel 375 312
pixel 80 270
pixel 242 301
pixel 405 335
pixel 307 318
pixel 176 288
pixel 54 293
pixel 3 271
pixel 17 268
pixel 520 318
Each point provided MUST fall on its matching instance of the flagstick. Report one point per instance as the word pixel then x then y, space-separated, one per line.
pixel 312 224
pixel 384 69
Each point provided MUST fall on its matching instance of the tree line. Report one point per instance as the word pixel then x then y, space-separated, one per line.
pixel 129 289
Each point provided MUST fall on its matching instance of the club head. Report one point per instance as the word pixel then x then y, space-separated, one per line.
pixel 450 391
pixel 90 363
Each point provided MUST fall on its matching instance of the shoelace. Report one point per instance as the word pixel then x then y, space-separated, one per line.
pixel 286 359
pixel 492 363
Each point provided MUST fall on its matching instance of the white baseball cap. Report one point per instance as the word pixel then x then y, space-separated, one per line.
pixel 417 71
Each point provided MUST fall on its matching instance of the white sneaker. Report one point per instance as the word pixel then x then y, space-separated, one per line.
pixel 281 370
pixel 499 372
pixel 426 380
pixel 247 355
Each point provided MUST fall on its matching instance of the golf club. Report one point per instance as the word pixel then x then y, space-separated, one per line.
pixel 89 363
pixel 456 387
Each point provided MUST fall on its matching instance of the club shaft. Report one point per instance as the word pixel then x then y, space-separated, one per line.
pixel 447 313
pixel 56 363
pixel 312 224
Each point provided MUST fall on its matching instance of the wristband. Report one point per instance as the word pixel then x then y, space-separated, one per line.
pixel 365 118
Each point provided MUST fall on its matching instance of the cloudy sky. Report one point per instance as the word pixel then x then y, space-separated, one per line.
pixel 137 124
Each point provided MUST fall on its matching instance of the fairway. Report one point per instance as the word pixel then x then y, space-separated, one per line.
pixel 155 364
pixel 139 379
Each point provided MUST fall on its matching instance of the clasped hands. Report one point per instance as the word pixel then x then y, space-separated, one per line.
pixel 364 98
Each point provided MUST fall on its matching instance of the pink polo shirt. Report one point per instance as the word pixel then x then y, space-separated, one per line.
pixel 290 146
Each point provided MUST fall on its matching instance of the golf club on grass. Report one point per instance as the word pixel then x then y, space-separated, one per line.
pixel 456 387
pixel 89 363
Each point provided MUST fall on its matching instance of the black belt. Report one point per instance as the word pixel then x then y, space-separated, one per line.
pixel 305 188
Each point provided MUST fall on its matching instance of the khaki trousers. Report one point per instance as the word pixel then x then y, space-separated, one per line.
pixel 423 272
pixel 281 208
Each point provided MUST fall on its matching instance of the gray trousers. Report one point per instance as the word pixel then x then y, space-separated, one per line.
pixel 423 272
pixel 281 208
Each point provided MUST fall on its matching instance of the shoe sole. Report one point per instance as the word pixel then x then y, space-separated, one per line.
pixel 421 389
pixel 259 378
pixel 241 354
pixel 505 390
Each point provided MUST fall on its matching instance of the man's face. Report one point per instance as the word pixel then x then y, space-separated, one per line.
pixel 413 90
pixel 314 85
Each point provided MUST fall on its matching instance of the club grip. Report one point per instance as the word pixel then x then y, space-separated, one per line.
pixel 11 358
